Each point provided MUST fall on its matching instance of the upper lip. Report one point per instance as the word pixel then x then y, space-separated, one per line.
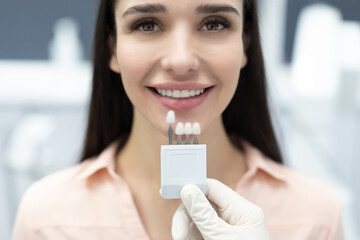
pixel 181 86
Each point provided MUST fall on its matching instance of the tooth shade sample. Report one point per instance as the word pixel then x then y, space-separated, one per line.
pixel 187 128
pixel 196 128
pixel 179 128
pixel 170 118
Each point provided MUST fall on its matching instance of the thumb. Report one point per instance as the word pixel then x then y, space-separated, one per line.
pixel 233 208
pixel 201 211
pixel 180 224
pixel 183 227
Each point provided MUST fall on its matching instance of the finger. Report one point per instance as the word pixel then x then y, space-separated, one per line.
pixel 194 233
pixel 233 208
pixel 201 211
pixel 180 224
pixel 220 194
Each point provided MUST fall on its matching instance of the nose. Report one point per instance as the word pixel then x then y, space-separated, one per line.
pixel 179 55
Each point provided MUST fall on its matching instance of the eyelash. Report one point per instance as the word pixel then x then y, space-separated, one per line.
pixel 217 20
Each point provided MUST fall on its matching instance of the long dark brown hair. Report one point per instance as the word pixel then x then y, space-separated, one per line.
pixel 110 112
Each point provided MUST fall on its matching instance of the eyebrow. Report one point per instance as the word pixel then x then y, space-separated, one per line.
pixel 159 8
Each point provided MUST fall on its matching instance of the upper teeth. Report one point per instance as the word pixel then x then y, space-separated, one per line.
pixel 179 93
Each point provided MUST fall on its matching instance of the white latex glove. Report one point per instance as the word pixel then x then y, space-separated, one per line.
pixel 230 217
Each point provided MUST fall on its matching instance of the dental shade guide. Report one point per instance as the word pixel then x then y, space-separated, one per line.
pixel 182 164
pixel 179 130
pixel 196 131
pixel 170 118
pixel 187 131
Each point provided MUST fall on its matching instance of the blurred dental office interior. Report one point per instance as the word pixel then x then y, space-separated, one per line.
pixel 312 56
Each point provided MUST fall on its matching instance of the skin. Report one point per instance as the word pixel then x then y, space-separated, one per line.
pixel 178 48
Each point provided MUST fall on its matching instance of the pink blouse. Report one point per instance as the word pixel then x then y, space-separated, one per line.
pixel 90 201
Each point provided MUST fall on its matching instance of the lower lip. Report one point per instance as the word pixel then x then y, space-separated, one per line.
pixel 182 103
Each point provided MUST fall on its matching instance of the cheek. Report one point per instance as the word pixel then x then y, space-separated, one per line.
pixel 134 60
pixel 227 66
pixel 127 57
pixel 225 58
pixel 226 69
pixel 229 61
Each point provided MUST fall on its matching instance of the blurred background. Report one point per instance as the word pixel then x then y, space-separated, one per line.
pixel 312 54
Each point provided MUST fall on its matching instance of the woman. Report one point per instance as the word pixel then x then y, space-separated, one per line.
pixel 178 47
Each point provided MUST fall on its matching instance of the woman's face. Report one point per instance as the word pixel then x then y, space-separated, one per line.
pixel 176 55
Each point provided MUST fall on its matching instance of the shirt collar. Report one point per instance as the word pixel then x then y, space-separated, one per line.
pixel 256 161
pixel 254 158
pixel 106 160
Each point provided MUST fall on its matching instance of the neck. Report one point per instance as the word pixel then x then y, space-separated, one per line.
pixel 140 157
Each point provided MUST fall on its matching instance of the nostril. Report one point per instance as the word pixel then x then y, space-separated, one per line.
pixel 180 64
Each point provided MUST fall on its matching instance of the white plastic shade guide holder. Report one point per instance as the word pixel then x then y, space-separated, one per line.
pixel 181 165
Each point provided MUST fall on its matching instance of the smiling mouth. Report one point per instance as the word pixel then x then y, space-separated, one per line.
pixel 180 94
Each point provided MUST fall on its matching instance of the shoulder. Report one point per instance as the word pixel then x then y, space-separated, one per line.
pixel 306 203
pixel 306 189
pixel 304 200
pixel 49 199
pixel 53 185
pixel 60 178
pixel 76 196
pixel 290 184
pixel 290 197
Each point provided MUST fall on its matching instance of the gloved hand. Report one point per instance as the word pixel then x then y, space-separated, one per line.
pixel 227 217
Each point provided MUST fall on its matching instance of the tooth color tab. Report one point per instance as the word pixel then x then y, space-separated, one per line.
pixel 196 128
pixel 170 118
pixel 187 128
pixel 179 128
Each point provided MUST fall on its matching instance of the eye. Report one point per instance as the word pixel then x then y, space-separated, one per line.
pixel 145 25
pixel 211 24
pixel 215 24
